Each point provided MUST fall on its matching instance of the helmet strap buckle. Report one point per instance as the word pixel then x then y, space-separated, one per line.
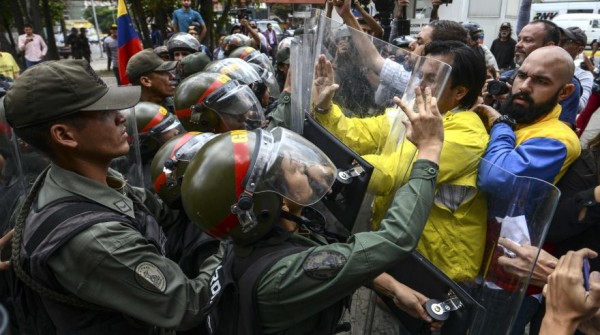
pixel 243 209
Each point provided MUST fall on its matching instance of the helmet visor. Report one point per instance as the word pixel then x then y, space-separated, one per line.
pixel 260 59
pixel 236 103
pixel 293 167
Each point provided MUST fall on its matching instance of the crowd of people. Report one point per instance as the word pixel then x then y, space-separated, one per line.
pixel 227 231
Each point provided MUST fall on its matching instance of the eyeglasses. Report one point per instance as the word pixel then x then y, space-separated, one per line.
pixel 253 27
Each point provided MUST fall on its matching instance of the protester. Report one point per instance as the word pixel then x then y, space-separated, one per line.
pixel 503 47
pixel 111 47
pixel 271 37
pixel 185 17
pixel 8 66
pixel 33 47
pixel 528 139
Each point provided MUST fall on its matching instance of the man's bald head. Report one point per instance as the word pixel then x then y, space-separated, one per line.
pixel 557 59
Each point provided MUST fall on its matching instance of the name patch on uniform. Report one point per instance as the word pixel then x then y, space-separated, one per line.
pixel 324 264
pixel 149 276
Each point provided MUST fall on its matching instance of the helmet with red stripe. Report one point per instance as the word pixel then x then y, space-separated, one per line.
pixel 170 163
pixel 155 125
pixel 213 102
pixel 235 184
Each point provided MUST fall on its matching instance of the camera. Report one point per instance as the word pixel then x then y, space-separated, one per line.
pixel 498 87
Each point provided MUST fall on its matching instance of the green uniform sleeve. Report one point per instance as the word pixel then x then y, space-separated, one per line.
pixel 363 135
pixel 121 271
pixel 287 294
pixel 280 117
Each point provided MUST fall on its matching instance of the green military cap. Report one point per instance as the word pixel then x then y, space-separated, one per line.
pixel 147 61
pixel 54 89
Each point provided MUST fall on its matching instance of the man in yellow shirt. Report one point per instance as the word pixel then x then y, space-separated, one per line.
pixel 8 67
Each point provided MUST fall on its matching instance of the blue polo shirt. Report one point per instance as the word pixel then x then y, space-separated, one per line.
pixel 183 19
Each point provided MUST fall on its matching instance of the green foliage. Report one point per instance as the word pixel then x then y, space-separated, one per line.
pixel 57 9
pixel 106 16
pixel 281 10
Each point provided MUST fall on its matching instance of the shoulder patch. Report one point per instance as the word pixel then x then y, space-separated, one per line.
pixel 323 264
pixel 149 276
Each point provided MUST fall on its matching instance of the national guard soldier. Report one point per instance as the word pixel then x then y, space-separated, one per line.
pixel 87 246
pixel 285 282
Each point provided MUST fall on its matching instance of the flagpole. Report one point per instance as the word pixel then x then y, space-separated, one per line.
pixel 97 28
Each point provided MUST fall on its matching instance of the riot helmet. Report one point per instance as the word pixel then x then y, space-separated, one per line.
pixel 213 102
pixel 193 63
pixel 253 56
pixel 245 73
pixel 235 184
pixel 170 163
pixel 155 126
pixel 235 41
pixel 182 42
pixel 236 69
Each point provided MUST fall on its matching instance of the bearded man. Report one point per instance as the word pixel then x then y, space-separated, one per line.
pixel 526 136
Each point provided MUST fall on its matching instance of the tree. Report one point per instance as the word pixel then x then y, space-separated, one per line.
pixel 105 15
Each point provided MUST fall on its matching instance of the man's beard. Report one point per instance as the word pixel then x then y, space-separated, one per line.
pixel 530 113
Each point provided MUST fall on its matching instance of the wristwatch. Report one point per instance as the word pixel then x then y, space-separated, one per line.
pixel 322 110
pixel 506 120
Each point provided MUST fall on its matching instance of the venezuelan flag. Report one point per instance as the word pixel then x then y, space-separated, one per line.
pixel 128 40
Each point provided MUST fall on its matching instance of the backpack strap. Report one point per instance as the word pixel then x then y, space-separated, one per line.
pixel 249 319
pixel 61 216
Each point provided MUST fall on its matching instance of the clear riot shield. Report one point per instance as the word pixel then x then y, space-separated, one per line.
pixel 20 164
pixel 367 73
pixel 130 165
pixel 519 209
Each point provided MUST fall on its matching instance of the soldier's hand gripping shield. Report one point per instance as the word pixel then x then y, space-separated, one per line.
pixel 519 211
pixel 345 81
pixel 235 184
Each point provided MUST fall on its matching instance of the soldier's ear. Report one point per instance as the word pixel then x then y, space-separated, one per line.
pixel 64 135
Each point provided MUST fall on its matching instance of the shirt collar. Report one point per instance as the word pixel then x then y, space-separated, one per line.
pixel 64 181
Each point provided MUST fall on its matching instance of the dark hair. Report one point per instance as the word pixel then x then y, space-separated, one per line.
pixel 446 30
pixel 27 25
pixel 551 29
pixel 38 136
pixel 468 67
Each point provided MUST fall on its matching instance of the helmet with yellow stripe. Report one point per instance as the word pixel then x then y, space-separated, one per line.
pixel 213 102
pixel 170 163
pixel 155 126
pixel 235 185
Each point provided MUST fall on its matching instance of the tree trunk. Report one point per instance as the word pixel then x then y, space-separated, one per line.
pixel 140 20
pixel 51 41
pixel 17 15
pixel 34 11
pixel 208 15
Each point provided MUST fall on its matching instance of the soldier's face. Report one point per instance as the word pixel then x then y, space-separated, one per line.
pixel 103 137
pixel 302 178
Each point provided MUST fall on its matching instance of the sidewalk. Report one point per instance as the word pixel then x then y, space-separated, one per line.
pixel 99 65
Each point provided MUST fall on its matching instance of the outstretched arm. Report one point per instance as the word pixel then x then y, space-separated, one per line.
pixel 375 27
pixel 368 53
